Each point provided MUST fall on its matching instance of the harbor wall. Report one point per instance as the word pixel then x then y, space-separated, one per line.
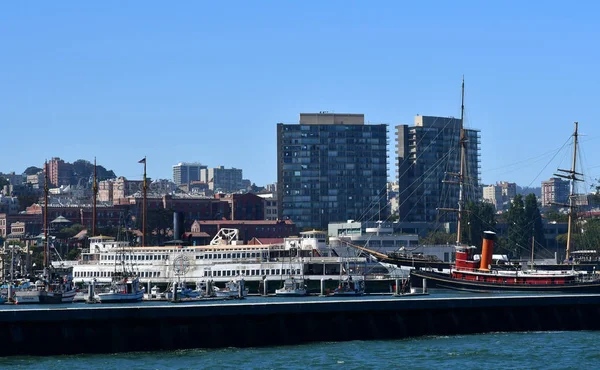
pixel 98 329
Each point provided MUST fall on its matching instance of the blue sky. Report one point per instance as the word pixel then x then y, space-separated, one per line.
pixel 207 82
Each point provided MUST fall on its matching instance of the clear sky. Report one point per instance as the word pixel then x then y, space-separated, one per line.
pixel 208 81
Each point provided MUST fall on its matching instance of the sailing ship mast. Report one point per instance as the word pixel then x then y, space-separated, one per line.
pixel 571 175
pixel 45 216
pixel 144 189
pixel 95 191
pixel 460 176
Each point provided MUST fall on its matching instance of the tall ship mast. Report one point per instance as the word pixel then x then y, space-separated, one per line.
pixel 46 190
pixel 571 175
pixel 460 176
pixel 95 192
pixel 144 190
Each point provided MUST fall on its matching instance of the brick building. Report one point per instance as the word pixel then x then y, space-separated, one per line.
pixel 31 223
pixel 245 206
pixel 248 230
pixel 109 215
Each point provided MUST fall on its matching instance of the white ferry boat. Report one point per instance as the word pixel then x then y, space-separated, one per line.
pixel 226 259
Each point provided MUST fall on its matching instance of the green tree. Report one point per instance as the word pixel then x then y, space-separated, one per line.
pixel 3 181
pixel 31 170
pixel 534 221
pixel 479 217
pixel 517 240
pixel 73 254
pixel 552 215
pixel 438 237
pixel 72 230
pixel 585 236
pixel 26 200
pixel 84 170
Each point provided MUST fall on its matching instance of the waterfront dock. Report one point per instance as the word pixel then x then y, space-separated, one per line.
pixel 100 329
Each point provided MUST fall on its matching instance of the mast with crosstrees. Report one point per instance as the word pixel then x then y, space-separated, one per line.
pixel 460 176
pixel 95 192
pixel 144 190
pixel 572 176
pixel 46 190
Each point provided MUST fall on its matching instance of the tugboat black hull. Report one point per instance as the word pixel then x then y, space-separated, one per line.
pixel 445 281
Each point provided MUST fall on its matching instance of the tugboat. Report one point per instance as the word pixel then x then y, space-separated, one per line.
pixel 481 276
pixel 472 275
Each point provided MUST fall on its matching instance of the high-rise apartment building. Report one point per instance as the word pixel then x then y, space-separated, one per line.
pixel 427 152
pixel 330 168
pixel 555 190
pixel 184 173
pixel 59 172
pixel 500 194
pixel 222 179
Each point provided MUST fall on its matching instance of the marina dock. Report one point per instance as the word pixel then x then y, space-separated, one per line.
pixel 264 322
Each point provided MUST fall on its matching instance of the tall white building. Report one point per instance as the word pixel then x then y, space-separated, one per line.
pixel 500 194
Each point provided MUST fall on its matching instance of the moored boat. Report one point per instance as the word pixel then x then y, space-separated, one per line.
pixel 233 289
pixel 124 288
pixel 56 289
pixel 349 286
pixel 292 287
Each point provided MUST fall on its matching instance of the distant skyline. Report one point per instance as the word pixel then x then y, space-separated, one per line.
pixel 201 82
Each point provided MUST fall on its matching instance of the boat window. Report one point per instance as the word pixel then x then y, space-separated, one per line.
pixel 272 271
pixel 243 255
pixel 277 273
pixel 228 255
pixel 298 271
pixel 289 272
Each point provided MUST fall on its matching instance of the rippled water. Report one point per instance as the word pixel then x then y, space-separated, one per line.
pixel 533 350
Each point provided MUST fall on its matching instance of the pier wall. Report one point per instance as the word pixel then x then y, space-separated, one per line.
pixel 98 329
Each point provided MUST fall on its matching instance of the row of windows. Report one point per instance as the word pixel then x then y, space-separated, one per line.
pixel 263 272
pixel 135 257
pixel 109 274
pixel 210 256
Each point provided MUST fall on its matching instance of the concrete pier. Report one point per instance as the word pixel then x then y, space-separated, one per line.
pixel 99 329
